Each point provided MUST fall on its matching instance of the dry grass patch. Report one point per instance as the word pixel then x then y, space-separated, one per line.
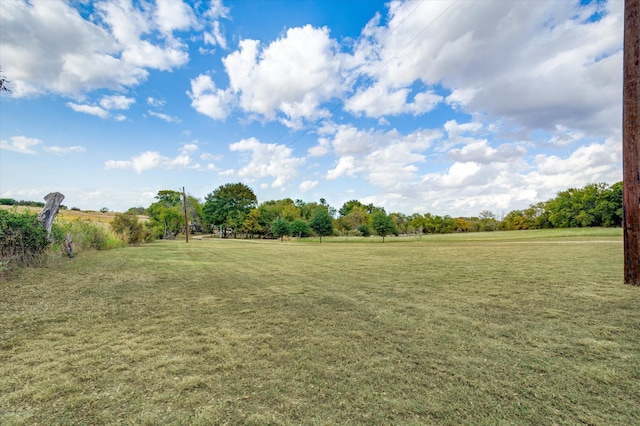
pixel 527 331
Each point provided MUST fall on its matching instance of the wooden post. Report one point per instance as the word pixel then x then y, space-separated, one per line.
pixel 186 218
pixel 631 142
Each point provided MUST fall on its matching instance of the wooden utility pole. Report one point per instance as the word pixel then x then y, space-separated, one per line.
pixel 186 218
pixel 631 142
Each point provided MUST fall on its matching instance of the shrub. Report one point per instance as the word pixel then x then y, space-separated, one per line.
pixel 23 239
pixel 364 230
pixel 88 235
pixel 126 225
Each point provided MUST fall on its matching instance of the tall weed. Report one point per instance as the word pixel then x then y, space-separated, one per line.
pixel 88 235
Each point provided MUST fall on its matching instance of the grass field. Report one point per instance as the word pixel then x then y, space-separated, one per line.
pixel 69 215
pixel 498 328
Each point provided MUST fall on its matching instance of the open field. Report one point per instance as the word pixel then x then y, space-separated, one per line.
pixel 69 215
pixel 501 328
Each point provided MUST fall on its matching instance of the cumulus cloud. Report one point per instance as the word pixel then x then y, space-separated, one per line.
pixel 154 160
pixel 268 160
pixel 288 79
pixel 21 144
pixel 116 102
pixel 387 159
pixel 535 72
pixel 49 47
pixel 209 100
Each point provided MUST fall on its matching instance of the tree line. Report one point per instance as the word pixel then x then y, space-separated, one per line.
pixel 232 211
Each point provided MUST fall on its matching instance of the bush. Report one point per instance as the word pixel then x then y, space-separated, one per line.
pixel 364 230
pixel 88 235
pixel 23 239
pixel 126 225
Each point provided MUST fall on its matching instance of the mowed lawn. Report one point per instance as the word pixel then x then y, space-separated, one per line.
pixel 525 327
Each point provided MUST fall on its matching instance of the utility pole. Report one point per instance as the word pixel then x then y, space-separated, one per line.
pixel 631 142
pixel 186 218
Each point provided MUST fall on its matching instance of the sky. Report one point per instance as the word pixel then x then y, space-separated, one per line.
pixel 440 106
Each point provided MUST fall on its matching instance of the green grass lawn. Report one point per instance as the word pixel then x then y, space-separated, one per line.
pixel 525 327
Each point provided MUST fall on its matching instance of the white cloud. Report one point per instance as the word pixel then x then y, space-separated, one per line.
pixel 308 185
pixel 21 144
pixel 536 71
pixel 481 152
pixel 150 160
pixel 89 109
pixel 396 101
pixel 155 102
pixel 164 117
pixel 268 160
pixel 107 103
pixel 215 37
pixel 217 10
pixel 290 77
pixel 207 99
pixel 174 15
pixel 116 102
pixel 48 47
pixel 63 150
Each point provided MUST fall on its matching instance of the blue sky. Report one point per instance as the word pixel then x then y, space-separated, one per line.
pixel 448 107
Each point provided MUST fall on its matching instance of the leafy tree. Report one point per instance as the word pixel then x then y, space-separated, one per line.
pixel 487 221
pixel 299 227
pixel 382 224
pixel 321 223
pixel 104 210
pixel 280 228
pixel 463 225
pixel 416 223
pixel 401 221
pixel 194 213
pixel 251 224
pixel 136 210
pixel 514 220
pixel 166 216
pixel 349 206
pixel 228 206
pixel 609 205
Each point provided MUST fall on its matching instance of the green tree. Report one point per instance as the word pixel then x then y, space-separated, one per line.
pixel 609 205
pixel 228 206
pixel 349 206
pixel 299 227
pixel 166 216
pixel 280 228
pixel 322 223
pixel 382 224
pixel 251 224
